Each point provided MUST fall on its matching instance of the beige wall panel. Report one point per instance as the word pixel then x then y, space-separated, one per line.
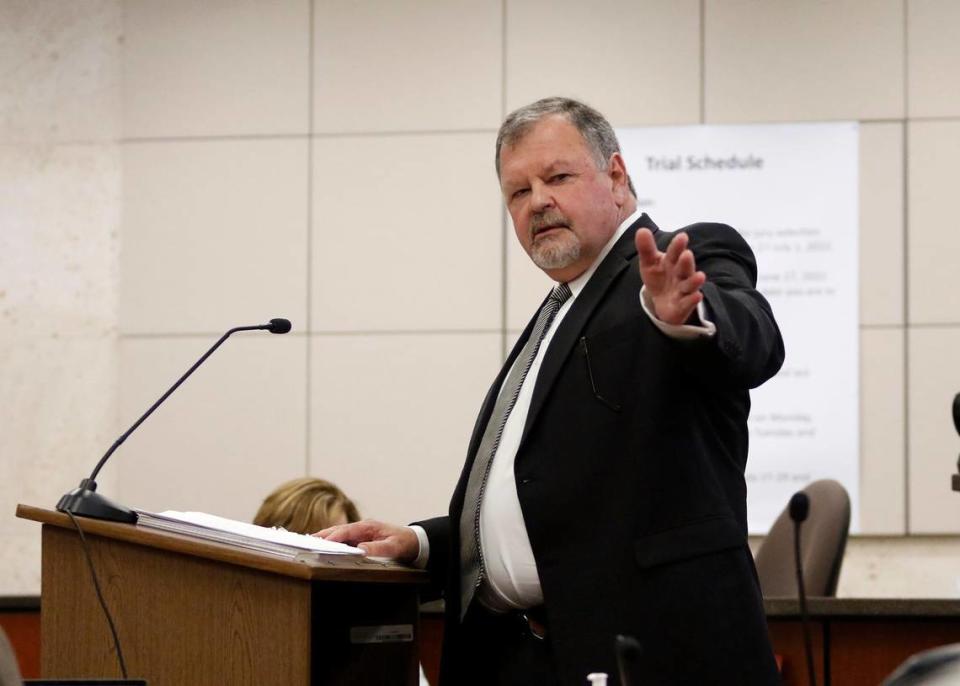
pixel 59 226
pixel 406 233
pixel 58 419
pixel 919 567
pixel 801 61
pixel 392 416
pixel 227 437
pixel 932 236
pixel 214 235
pixel 64 417
pixel 933 54
pixel 58 322
pixel 407 65
pixel 61 70
pixel 897 567
pixel 638 63
pixel 217 67
pixel 882 262
pixel 882 423
pixel 933 379
pixel 60 184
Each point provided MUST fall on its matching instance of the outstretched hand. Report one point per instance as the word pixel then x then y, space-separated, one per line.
pixel 376 539
pixel 671 278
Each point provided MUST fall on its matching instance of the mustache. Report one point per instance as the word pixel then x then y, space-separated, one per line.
pixel 547 220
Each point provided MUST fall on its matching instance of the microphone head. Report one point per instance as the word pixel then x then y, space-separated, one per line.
pixel 628 647
pixel 279 326
pixel 956 412
pixel 799 506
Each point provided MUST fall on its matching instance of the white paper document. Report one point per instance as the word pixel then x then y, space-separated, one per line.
pixel 242 534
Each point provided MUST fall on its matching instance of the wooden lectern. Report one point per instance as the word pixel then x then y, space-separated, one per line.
pixel 191 612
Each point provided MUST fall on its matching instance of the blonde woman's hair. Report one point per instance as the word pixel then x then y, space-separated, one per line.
pixel 306 505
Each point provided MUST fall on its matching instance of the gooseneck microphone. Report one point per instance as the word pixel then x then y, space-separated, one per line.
pixel 84 501
pixel 628 659
pixel 799 510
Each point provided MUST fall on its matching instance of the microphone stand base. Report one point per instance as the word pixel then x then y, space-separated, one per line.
pixel 86 502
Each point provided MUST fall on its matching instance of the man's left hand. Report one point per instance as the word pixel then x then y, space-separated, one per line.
pixel 671 278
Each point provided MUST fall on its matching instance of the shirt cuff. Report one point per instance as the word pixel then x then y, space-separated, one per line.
pixel 424 554
pixel 679 331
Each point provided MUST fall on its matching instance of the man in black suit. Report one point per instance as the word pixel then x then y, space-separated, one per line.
pixel 603 491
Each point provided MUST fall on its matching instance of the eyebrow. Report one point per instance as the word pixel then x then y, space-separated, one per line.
pixel 549 170
pixel 552 167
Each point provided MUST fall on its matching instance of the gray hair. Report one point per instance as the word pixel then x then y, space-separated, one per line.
pixel 595 129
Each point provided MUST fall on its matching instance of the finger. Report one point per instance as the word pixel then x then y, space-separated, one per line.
pixel 692 284
pixel 647 248
pixel 393 547
pixel 688 303
pixel 676 248
pixel 351 533
pixel 686 265
pixel 335 533
pixel 378 549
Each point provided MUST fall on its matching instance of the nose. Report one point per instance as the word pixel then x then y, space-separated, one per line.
pixel 540 197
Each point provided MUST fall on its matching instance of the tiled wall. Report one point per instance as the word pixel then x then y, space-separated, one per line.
pixel 60 185
pixel 331 162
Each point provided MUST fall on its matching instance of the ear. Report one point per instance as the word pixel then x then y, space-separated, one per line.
pixel 617 171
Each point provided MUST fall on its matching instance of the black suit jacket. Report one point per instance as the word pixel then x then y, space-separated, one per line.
pixel 630 476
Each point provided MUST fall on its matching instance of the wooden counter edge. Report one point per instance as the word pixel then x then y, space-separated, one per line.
pixel 852 608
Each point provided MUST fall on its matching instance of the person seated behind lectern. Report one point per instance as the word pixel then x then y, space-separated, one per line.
pixel 306 505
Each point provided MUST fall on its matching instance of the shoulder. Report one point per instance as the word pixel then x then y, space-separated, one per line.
pixel 706 236
pixel 710 240
pixel 714 233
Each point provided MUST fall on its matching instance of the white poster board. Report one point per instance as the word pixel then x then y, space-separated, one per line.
pixel 792 192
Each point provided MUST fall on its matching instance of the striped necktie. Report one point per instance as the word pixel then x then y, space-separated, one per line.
pixel 471 555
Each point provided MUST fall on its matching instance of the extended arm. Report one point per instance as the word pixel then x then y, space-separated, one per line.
pixel 712 263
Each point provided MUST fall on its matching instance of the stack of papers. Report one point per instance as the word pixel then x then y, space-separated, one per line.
pixel 241 534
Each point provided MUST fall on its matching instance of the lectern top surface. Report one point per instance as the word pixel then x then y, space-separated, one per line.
pixel 309 567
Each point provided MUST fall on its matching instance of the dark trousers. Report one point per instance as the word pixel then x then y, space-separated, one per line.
pixel 500 650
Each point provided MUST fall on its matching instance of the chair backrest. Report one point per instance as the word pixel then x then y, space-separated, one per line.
pixel 937 666
pixel 9 669
pixel 823 539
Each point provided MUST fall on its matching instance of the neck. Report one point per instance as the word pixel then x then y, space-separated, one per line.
pixel 628 208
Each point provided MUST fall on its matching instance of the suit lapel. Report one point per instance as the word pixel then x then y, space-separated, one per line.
pixel 583 306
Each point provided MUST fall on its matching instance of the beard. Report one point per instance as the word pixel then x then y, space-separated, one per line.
pixel 557 249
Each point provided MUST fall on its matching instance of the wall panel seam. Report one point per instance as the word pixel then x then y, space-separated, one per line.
pixel 504 237
pixel 905 448
pixel 308 353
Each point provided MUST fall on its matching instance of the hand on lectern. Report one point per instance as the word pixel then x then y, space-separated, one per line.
pixel 376 539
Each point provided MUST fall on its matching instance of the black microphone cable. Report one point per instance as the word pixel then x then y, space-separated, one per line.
pixel 799 509
pixel 103 603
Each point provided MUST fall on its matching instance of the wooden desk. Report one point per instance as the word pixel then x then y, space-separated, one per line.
pixel 858 640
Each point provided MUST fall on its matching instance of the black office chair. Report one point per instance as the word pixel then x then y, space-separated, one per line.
pixel 823 540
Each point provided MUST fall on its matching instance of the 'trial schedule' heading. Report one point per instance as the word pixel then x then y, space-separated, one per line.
pixel 670 163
